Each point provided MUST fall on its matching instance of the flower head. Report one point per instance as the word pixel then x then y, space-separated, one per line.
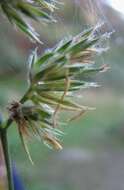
pixel 53 78
pixel 17 10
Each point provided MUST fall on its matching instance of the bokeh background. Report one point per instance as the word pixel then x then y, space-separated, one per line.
pixel 93 154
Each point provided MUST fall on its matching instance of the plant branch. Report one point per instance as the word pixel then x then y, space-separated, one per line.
pixel 4 142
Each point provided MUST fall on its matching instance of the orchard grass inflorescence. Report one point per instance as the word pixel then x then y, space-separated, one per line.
pixel 53 78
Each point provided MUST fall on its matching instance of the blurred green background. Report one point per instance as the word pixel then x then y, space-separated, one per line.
pixel 93 153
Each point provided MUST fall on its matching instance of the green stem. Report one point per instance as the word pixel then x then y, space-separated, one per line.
pixel 9 122
pixel 24 98
pixel 4 142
